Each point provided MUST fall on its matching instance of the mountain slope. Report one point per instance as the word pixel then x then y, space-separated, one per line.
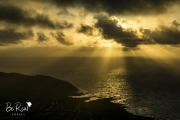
pixel 17 87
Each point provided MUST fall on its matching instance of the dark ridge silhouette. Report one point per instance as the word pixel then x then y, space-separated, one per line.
pixel 17 87
pixel 50 101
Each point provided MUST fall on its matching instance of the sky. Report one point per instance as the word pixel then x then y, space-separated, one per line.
pixel 90 27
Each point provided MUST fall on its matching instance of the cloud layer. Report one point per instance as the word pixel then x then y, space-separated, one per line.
pixel 169 35
pixel 110 30
pixel 11 36
pixel 17 16
pixel 120 6
pixel 63 18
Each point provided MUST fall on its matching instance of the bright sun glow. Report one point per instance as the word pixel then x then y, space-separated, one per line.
pixel 123 25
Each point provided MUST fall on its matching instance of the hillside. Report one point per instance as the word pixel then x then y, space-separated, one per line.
pixel 50 101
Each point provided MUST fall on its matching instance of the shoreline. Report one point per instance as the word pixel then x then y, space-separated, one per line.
pixel 49 98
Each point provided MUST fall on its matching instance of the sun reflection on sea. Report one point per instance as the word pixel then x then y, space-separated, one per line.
pixel 111 85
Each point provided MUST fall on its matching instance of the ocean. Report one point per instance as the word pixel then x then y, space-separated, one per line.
pixel 145 86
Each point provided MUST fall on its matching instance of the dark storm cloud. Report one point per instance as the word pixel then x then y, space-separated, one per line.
pixel 11 36
pixel 41 37
pixel 110 30
pixel 15 15
pixel 59 36
pixel 120 6
pixel 169 35
pixel 88 30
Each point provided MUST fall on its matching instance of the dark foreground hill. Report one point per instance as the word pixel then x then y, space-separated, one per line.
pixel 50 101
pixel 17 87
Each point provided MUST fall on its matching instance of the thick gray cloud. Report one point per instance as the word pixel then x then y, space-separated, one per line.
pixel 41 37
pixel 88 30
pixel 59 36
pixel 11 36
pixel 110 30
pixel 166 35
pixel 169 35
pixel 15 15
pixel 120 6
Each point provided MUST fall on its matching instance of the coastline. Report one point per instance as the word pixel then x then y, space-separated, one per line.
pixel 50 100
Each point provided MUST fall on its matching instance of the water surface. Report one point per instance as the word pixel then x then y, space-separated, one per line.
pixel 146 87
